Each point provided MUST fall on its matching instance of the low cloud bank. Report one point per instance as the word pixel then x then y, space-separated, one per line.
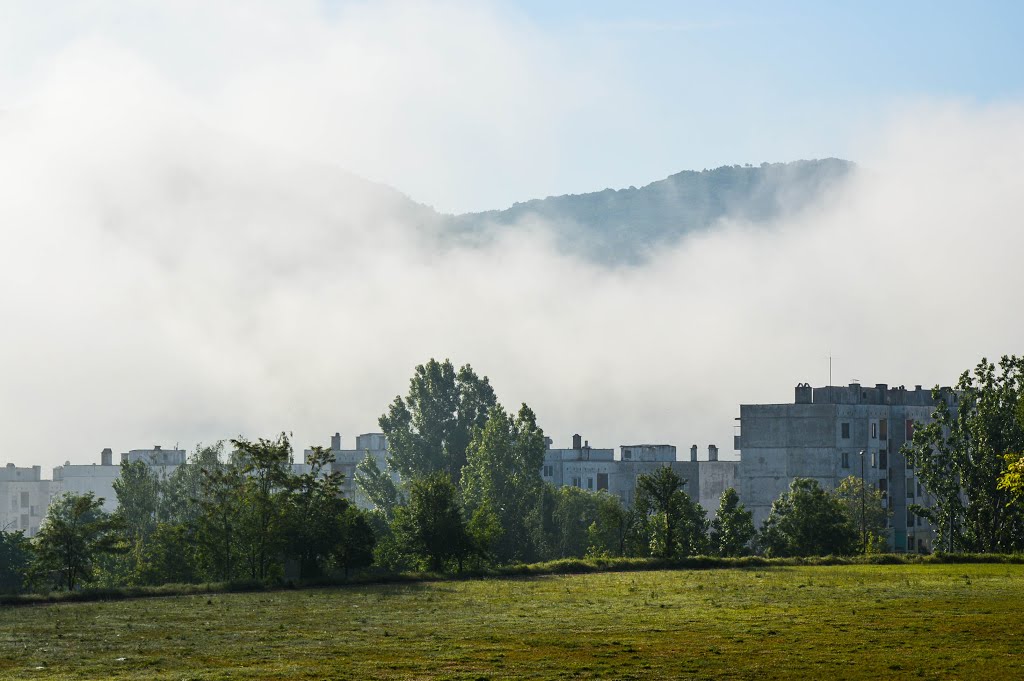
pixel 164 278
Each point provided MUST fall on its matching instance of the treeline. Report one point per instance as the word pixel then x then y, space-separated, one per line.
pixel 466 492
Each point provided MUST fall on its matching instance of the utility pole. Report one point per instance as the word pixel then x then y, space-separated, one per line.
pixel 863 508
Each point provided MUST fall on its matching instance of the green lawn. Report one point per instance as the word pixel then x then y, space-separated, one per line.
pixel 884 621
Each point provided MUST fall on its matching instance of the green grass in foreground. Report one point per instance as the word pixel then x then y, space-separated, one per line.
pixel 845 621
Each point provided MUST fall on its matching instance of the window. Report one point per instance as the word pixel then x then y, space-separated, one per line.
pixel 602 481
pixel 874 459
pixel 883 485
pixel 590 483
pixel 910 430
pixel 874 430
pixel 919 521
pixel 549 471
pixel 846 431
pixel 883 429
pixel 24 521
pixel 910 488
pixel 627 453
pixel 910 518
pixel 920 491
pixel 24 499
pixel 576 482
pixel 883 459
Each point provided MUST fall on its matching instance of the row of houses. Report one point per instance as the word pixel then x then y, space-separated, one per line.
pixel 826 433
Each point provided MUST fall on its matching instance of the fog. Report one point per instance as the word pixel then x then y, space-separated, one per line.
pixel 186 258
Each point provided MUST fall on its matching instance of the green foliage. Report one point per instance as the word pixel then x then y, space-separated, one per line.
pixel 960 458
pixel 75 532
pixel 261 532
pixel 15 555
pixel 676 525
pixel 733 526
pixel 310 526
pixel 220 518
pixel 169 556
pixel 612 532
pixel 355 542
pixel 378 486
pixel 865 509
pixel 429 430
pixel 181 493
pixel 503 472
pixel 807 521
pixel 430 528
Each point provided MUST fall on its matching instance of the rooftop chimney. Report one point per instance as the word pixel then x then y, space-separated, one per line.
pixel 803 393
pixel 712 453
pixel 107 457
pixel 336 442
pixel 577 441
pixel 693 453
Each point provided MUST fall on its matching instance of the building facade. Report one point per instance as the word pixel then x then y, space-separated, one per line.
pixel 596 469
pixel 829 434
pixel 24 498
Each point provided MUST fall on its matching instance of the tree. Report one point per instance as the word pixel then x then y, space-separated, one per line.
pixel 138 500
pixel 866 511
pixel 182 491
pixel 733 526
pixel 610 532
pixel 503 466
pixel 265 469
pixel 568 513
pixel 378 486
pixel 356 540
pixel 313 526
pixel 807 521
pixel 429 430
pixel 430 528
pixel 220 517
pixel 75 532
pixel 678 525
pixel 960 458
pixel 15 555
pixel 169 555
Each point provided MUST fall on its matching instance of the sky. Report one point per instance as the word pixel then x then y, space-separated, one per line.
pixel 189 255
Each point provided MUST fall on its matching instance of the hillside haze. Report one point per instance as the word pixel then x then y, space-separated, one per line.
pixel 623 226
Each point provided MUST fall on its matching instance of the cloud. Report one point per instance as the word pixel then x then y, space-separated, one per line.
pixel 181 263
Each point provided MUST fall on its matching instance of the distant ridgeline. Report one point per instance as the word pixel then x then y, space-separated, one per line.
pixel 623 226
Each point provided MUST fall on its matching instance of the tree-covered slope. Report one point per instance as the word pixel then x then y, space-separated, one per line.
pixel 622 225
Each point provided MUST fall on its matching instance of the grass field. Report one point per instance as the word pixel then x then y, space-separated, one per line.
pixel 854 621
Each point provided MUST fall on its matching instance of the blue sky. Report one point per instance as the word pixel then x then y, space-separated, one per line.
pixel 480 104
pixel 726 83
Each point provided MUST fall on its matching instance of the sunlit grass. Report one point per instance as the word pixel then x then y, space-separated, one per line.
pixel 870 621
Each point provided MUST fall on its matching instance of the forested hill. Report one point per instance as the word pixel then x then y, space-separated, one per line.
pixel 621 226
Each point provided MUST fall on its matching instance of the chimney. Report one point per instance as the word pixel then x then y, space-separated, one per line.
pixel 577 442
pixel 804 393
pixel 107 457
pixel 693 453
pixel 712 453
pixel 336 442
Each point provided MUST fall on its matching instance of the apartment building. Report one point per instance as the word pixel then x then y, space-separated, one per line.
pixel 831 433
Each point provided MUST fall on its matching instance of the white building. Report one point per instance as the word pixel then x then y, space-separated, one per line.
pixel 24 498
pixel 345 461
pixel 599 469
pixel 99 479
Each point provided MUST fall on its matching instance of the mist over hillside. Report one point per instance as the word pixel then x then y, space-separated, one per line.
pixel 626 225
